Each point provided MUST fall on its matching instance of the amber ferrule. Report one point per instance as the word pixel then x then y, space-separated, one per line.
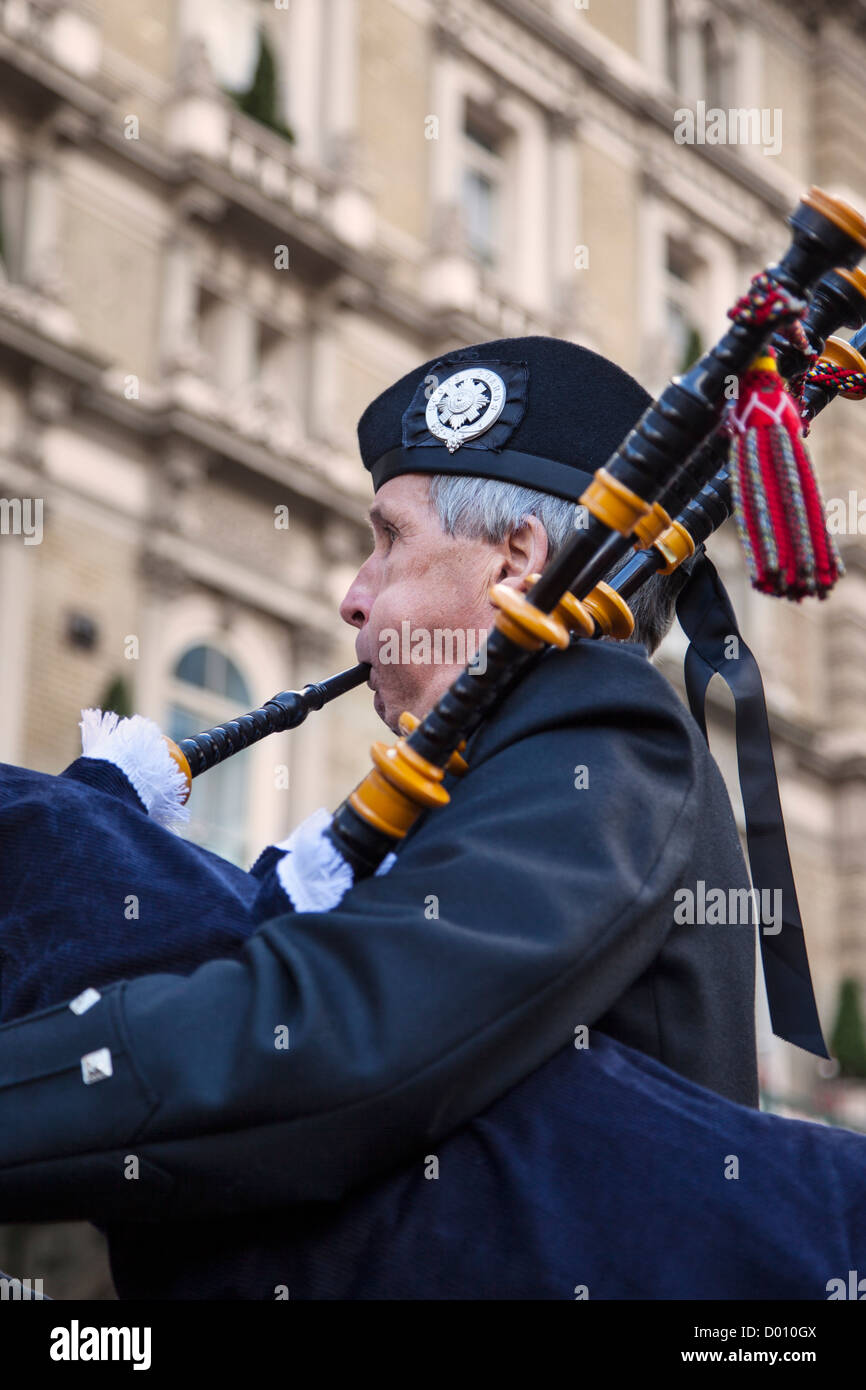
pixel 570 611
pixel 839 353
pixel 180 759
pixel 409 722
pixel 614 504
pixel 610 612
pixel 674 546
pixel 837 211
pixel 520 621
pixel 651 526
pixel 401 786
pixel 856 277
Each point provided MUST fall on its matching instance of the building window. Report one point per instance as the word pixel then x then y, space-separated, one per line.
pixel 206 688
pixel 209 321
pixel 699 49
pixel 227 340
pixel 715 66
pixel 262 99
pixel 482 190
pixel 12 222
pixel 242 39
pixel 272 363
pixel 682 275
pixel 672 40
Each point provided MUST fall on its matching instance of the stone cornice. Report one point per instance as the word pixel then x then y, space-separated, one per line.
pixel 81 375
pixel 55 81
pixel 808 13
pixel 77 363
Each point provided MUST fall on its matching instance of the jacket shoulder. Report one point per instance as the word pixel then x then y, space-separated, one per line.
pixel 607 685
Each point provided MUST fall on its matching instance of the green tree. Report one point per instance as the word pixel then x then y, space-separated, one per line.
pixel 259 101
pixel 848 1042
pixel 692 350
pixel 118 698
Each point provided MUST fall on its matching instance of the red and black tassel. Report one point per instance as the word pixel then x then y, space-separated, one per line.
pixel 777 504
pixel 778 507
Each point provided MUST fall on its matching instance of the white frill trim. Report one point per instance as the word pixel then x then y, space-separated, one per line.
pixel 138 748
pixel 312 871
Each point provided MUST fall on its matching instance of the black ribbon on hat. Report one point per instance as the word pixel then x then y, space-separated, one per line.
pixel 503 465
pixel 705 613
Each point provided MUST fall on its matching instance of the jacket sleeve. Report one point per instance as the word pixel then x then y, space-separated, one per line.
pixel 336 1045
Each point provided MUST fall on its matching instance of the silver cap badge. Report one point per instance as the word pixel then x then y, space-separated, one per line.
pixel 465 405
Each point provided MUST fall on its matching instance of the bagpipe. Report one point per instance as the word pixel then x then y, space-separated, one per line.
pixel 727 436
pixel 76 850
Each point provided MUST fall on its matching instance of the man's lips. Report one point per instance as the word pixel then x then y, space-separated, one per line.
pixel 372 680
pixel 377 698
pixel 371 674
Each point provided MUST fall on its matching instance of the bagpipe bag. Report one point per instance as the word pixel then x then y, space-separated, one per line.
pixel 93 890
pixel 603 1174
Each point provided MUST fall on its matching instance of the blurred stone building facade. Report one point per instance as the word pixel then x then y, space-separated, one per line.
pixel 225 225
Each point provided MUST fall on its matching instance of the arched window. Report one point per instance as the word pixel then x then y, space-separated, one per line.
pixel 206 688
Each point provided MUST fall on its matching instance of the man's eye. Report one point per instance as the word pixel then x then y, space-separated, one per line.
pixel 389 531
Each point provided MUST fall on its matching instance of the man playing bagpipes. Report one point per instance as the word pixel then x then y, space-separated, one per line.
pixel 496 1065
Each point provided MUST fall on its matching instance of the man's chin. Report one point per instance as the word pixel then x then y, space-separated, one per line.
pixel 391 718
pixel 379 707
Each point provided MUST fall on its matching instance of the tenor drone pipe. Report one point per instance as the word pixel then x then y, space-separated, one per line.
pixel 826 235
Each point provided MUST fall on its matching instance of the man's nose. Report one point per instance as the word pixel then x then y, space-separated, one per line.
pixel 355 608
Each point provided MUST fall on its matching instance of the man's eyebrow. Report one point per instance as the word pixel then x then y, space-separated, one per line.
pixel 377 515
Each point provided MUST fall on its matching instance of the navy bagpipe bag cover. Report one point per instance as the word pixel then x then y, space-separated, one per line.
pixel 602 1174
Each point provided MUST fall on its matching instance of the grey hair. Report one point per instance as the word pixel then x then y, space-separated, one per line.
pixel 485 509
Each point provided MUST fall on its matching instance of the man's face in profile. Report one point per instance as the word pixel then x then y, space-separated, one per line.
pixel 417 574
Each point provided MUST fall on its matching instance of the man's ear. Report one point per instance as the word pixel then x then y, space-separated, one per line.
pixel 523 552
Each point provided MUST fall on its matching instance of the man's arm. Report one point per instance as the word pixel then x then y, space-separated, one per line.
pixel 337 1044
